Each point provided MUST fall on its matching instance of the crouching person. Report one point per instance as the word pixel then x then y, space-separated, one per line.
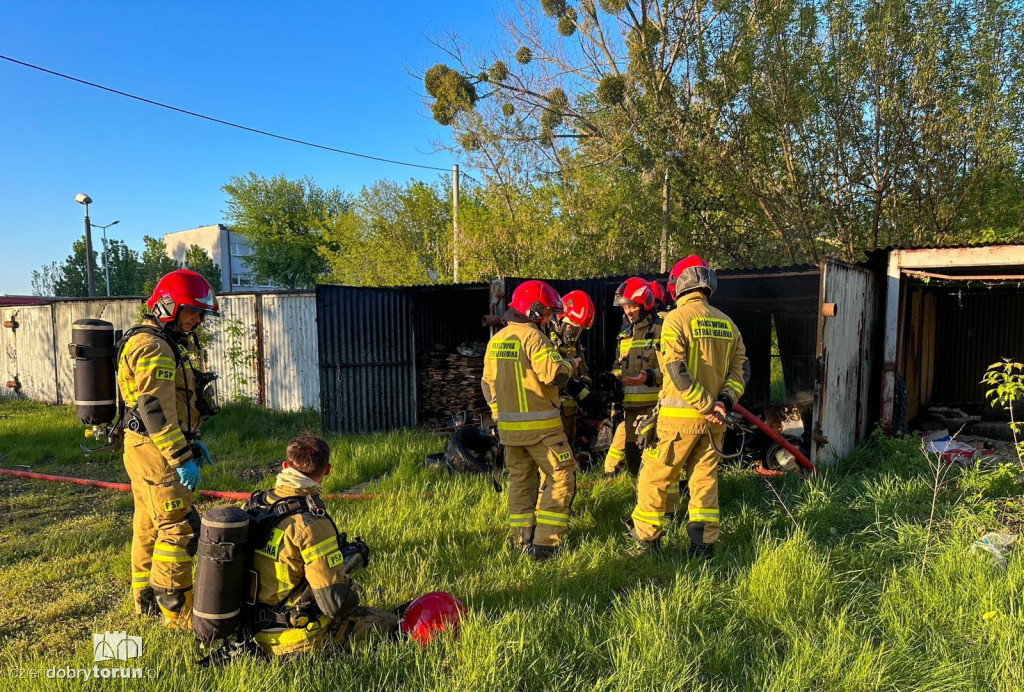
pixel 304 592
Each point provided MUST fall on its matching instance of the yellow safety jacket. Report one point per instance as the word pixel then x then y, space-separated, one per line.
pixel 638 352
pixel 567 351
pixel 702 358
pixel 302 549
pixel 523 372
pixel 162 390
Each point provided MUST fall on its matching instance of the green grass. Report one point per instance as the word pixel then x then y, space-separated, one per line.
pixel 831 598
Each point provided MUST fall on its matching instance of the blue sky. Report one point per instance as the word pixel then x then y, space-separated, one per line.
pixel 331 72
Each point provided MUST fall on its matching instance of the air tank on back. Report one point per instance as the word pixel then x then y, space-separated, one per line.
pixel 93 353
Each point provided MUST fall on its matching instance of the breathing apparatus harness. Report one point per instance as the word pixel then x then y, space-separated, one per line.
pixel 205 401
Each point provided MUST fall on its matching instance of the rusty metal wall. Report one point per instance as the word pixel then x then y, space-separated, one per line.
pixel 974 330
pixel 232 349
pixel 29 353
pixel 848 353
pixel 37 351
pixel 8 355
pixel 367 355
pixel 291 365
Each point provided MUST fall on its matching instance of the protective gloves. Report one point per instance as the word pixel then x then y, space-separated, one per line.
pixel 188 474
pixel 201 453
pixel 646 428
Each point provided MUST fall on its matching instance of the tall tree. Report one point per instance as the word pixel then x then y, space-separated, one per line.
pixel 198 260
pixel 785 128
pixel 285 222
pixel 125 270
pixel 392 235
pixel 67 278
pixel 155 263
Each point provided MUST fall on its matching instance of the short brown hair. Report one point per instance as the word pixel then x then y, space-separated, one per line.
pixel 308 453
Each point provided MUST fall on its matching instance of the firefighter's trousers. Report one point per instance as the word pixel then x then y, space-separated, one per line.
pixel 624 447
pixel 165 530
pixel 325 632
pixel 676 455
pixel 624 442
pixel 570 411
pixel 541 487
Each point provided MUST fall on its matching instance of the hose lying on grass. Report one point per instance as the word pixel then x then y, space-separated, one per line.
pixel 124 487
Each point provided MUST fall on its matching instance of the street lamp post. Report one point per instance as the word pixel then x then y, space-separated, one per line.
pixel 86 200
pixel 106 261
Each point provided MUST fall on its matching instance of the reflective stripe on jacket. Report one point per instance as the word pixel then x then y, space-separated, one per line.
pixel 301 549
pixel 709 346
pixel 522 374
pixel 638 351
pixel 162 392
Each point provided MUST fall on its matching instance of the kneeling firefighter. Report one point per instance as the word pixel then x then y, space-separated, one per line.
pixel 523 372
pixel 706 371
pixel 278 575
pixel 162 455
pixel 578 316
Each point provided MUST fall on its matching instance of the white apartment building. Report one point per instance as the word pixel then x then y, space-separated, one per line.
pixel 229 250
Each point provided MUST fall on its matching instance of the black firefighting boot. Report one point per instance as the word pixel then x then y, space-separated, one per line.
pixel 698 548
pixel 176 607
pixel 639 546
pixel 145 602
pixel 522 538
pixel 541 553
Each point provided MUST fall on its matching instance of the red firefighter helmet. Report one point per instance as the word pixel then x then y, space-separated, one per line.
pixel 434 612
pixel 635 291
pixel 182 287
pixel 691 274
pixel 660 294
pixel 579 309
pixel 533 298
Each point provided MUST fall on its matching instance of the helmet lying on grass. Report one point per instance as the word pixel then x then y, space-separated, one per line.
pixel 424 617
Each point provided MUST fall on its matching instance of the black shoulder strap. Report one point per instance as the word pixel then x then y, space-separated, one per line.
pixel 153 331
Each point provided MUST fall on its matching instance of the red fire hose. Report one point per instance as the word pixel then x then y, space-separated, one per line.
pixel 124 487
pixel 804 462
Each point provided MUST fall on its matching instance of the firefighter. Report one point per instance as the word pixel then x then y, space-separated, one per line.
pixel 162 450
pixel 637 367
pixel 523 372
pixel 705 373
pixel 305 596
pixel 579 316
pixel 662 303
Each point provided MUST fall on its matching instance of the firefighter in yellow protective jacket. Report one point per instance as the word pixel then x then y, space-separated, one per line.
pixel 636 366
pixel 579 316
pixel 162 454
pixel 304 592
pixel 522 375
pixel 705 373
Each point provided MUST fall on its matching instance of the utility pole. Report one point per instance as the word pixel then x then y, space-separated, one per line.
pixel 455 223
pixel 106 260
pixel 86 200
pixel 664 222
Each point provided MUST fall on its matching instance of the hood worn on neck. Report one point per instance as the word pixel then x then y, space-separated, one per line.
pixel 291 482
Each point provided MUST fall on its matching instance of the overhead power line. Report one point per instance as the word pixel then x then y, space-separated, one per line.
pixel 223 122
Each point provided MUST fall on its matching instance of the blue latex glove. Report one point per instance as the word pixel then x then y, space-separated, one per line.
pixel 188 473
pixel 201 454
